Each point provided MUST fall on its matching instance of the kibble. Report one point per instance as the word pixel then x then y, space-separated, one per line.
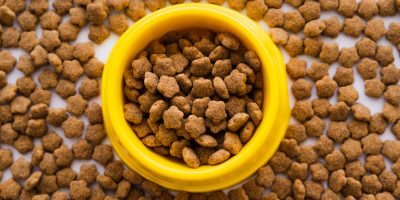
pixel 218 85
pixel 193 115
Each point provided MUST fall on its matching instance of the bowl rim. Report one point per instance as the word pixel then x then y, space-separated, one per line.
pixel 156 168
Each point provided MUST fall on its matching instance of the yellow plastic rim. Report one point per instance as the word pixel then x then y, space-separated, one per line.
pixel 172 174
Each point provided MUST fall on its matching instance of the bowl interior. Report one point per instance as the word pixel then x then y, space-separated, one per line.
pixel 178 27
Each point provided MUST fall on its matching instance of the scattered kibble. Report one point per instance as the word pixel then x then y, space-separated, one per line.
pixel 230 79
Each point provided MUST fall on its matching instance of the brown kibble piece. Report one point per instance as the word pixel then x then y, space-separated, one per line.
pixel 72 70
pixel 393 34
pixel 298 171
pixel 343 76
pixel 27 21
pixel 294 21
pixel 332 27
pixel 7 158
pixel 280 163
pixel 326 87
pixel 367 9
pixel 386 8
pixel 218 157
pixel 310 10
pixel 312 46
pixel 93 68
pixel 279 36
pixel 391 95
pixel 314 127
pixel 84 51
pixel 390 149
pixel 135 10
pixel 72 127
pixel 168 86
pixel 10 189
pixel 301 89
pixel 375 29
pixel 98 33
pixel 319 172
pixel 384 55
pixel 77 16
pixel 96 12
pixel 307 155
pixel 390 112
pixel 76 105
pixel 360 112
pixel 329 52
pixel 274 17
pixel 348 94
pixel 190 157
pixel 118 23
pixel 48 164
pixel 79 190
pixel 372 144
pixel 348 57
pixel 173 117
pixel 351 149
pixel 253 190
pixel 94 113
pixel 374 164
pixel 374 88
pixel 335 160
pixel 7 16
pixel 265 176
pixel 337 180
pixel 302 110
pixel 256 9
pixel 166 136
pixel 89 88
pixel 323 146
pixel 296 68
pixel 102 154
pixel 390 74
pixel 49 20
pixel 282 187
pixel 339 111
pixel 82 150
pixel 237 121
pixel 56 116
pixel 51 141
pixel 195 126
pixel 314 28
pixel 106 182
pixel 294 46
pixel 367 68
pixel 7 61
pixel 347 7
pixel 68 32
pixel 366 47
pixel 32 180
pixel 232 143
pixel 10 37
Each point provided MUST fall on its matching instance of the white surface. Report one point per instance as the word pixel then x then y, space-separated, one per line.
pixel 104 49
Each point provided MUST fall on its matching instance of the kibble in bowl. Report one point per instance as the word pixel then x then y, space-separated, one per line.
pixel 141 86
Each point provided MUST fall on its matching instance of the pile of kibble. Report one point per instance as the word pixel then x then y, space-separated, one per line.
pixel 190 95
pixel 333 167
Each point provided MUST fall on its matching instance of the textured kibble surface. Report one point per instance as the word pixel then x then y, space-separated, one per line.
pixel 196 96
pixel 342 143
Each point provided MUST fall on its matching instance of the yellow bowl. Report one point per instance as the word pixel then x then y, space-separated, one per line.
pixel 172 174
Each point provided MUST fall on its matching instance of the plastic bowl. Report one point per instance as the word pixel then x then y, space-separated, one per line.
pixel 172 174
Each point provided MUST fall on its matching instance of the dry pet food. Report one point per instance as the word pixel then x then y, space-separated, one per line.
pixel 195 96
